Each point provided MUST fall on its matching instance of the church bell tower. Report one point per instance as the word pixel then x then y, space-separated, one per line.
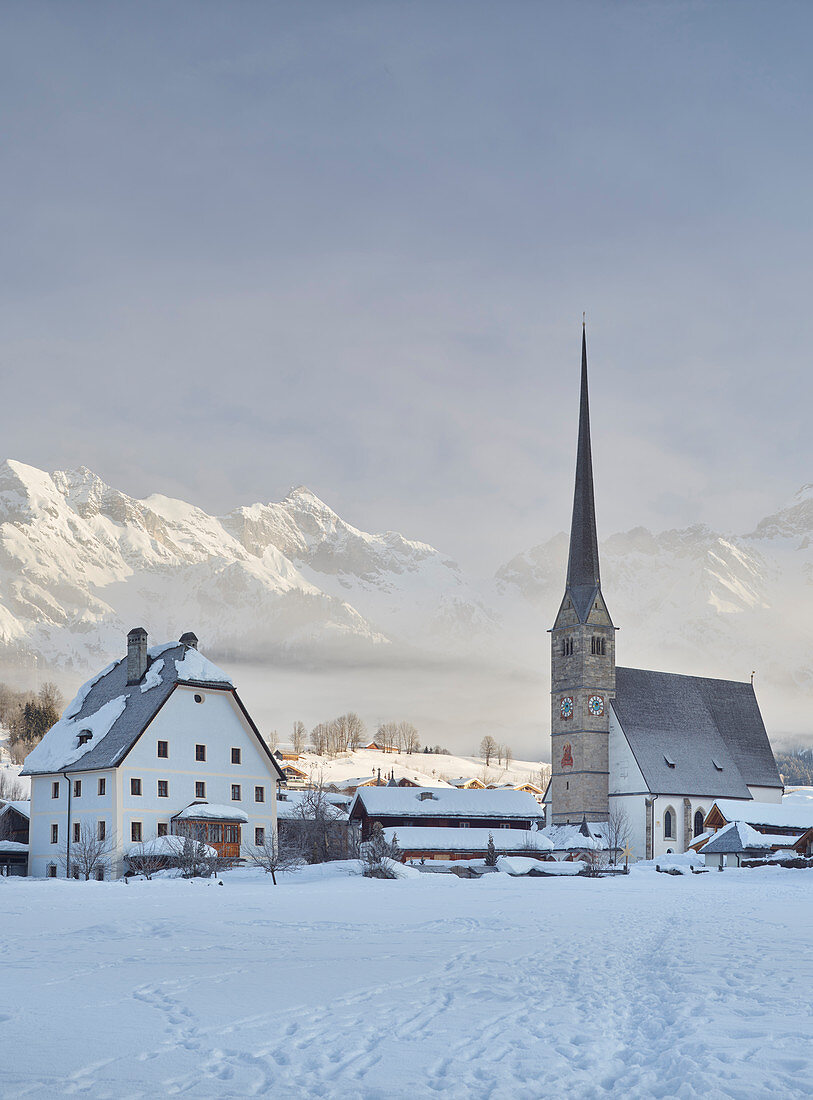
pixel 582 657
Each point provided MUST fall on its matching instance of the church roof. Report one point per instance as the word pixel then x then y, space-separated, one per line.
pixel 582 567
pixel 691 735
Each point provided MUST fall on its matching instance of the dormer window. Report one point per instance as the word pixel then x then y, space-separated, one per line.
pixel 84 736
pixel 669 761
pixel 422 797
pixel 717 765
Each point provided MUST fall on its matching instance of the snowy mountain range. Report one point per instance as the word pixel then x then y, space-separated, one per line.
pixel 81 562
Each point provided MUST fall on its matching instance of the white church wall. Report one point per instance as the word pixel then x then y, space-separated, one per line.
pixel 766 794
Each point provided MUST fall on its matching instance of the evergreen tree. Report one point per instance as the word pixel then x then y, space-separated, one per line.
pixel 491 852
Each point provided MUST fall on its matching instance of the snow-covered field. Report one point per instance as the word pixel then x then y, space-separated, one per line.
pixel 338 986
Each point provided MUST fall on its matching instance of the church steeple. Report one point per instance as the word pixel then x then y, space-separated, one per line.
pixel 582 567
pixel 582 658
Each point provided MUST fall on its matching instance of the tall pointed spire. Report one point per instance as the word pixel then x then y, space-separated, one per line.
pixel 582 567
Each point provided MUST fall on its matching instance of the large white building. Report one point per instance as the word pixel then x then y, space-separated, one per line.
pixel 154 735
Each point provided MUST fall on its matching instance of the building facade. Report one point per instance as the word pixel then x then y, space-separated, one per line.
pixel 156 733
pixel 641 754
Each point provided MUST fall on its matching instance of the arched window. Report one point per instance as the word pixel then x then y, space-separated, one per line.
pixel 567 647
pixel 669 824
pixel 598 646
pixel 699 818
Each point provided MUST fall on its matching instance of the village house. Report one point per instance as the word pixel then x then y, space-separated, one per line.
pixel 157 744
pixel 14 828
pixel 443 808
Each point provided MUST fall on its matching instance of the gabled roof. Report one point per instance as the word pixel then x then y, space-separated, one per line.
pixel 446 802
pixel 738 837
pixel 22 808
pixel 764 814
pixel 691 735
pixel 116 713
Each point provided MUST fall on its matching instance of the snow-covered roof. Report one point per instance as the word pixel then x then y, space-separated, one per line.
pixel 210 811
pixel 431 839
pixel 116 713
pixel 785 815
pixel 295 805
pixel 711 731
pixel 23 808
pixel 737 837
pixel 12 846
pixel 446 802
pixel 566 838
pixel 522 865
pixel 165 846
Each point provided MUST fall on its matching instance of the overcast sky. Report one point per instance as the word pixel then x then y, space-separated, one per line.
pixel 253 245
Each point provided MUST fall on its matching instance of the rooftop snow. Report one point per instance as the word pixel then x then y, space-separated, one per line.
pixel 447 802
pixel 795 815
pixel 210 811
pixel 440 839
pixel 116 713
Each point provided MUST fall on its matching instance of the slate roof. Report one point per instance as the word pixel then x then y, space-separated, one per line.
pixel 133 707
pixel 711 730
pixel 582 567
pixel 739 837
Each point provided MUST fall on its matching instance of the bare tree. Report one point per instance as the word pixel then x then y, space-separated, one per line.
pixel 89 855
pixel 618 832
pixel 594 860
pixel 299 737
pixel 488 748
pixel 272 856
pixel 11 789
pixel 196 859
pixel 319 738
pixel 144 860
pixel 317 827
pixel 386 734
pixel 407 738
pixel 507 756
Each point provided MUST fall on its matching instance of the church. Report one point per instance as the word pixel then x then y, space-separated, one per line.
pixel 638 754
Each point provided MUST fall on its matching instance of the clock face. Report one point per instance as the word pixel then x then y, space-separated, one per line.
pixel 566 706
pixel 595 705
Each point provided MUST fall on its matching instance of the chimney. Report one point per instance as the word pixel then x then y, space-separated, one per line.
pixel 136 654
pixel 189 639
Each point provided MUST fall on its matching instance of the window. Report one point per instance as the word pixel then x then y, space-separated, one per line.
pixel 598 646
pixel 77 788
pixel 200 752
pixel 200 790
pixel 162 828
pixel 235 792
pixel 231 834
pixel 101 830
pixel 259 794
pixel 236 755
pixel 135 831
pixel 259 837
pixel 699 818
pixel 84 736
pixel 505 825
pixel 100 874
pixel 464 825
pixel 55 790
pixel 669 824
pixel 163 788
pixel 567 647
pixel 51 870
pixel 669 761
pixel 163 750
pixel 77 832
pixel 55 834
pixel 198 698
pixel 102 785
pixel 135 786
pixel 215 833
